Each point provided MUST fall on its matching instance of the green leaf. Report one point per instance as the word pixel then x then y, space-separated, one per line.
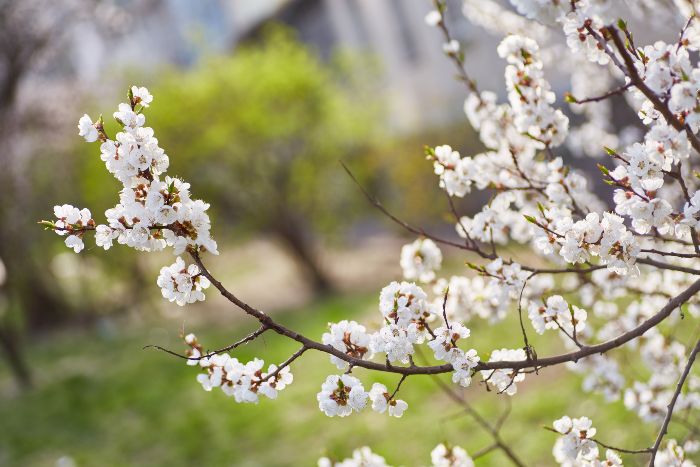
pixel 48 224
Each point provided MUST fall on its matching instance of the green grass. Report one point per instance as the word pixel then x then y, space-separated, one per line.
pixel 103 401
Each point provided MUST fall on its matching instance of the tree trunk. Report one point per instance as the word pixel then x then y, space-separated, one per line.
pixel 13 354
pixel 300 244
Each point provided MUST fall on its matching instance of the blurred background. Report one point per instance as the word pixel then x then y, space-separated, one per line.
pixel 256 102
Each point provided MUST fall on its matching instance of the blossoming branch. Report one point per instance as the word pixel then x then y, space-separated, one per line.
pixel 619 278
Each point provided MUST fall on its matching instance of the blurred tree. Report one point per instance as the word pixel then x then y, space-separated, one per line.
pixel 37 94
pixel 261 133
pixel 27 35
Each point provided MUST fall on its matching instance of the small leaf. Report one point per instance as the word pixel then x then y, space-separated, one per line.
pixel 47 224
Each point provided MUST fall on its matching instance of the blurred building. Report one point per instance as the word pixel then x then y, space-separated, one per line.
pixel 417 79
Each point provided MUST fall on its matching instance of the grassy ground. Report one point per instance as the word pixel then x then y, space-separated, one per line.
pixel 103 401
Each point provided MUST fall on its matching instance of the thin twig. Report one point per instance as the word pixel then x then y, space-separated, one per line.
pixel 614 92
pixel 286 363
pixel 482 452
pixel 398 386
pixel 480 420
pixel 416 230
pixel 622 450
pixel 672 404
pixel 250 337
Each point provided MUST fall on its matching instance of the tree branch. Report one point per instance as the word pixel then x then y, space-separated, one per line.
pixel 265 319
pixel 250 337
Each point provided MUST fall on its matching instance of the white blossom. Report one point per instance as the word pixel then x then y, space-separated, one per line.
pixel 141 96
pixel 361 457
pixel 433 18
pixel 420 260
pixel 451 47
pixel 505 379
pixel 341 395
pixel 455 172
pixel 396 342
pixel 463 365
pixel 383 402
pixel 556 313
pixel 444 344
pixel 87 129
pixel 403 303
pixel 450 456
pixel 575 444
pixel 350 338
pixel 182 284
pixel 529 93
pixel 672 455
pixel 578 38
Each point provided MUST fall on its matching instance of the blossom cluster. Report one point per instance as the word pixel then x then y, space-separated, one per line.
pixel 245 382
pixel 489 294
pixel 406 313
pixel 576 445
pixel 72 222
pixel 343 394
pixel 576 242
pixel 182 284
pixel 556 313
pixel 675 454
pixel 529 93
pixel 505 379
pixel 442 456
pixel 155 210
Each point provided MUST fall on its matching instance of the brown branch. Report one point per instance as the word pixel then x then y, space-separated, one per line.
pixel 250 337
pixel 670 253
pixel 468 241
pixel 607 446
pixel 529 350
pixel 444 308
pixel 398 386
pixel 458 58
pixel 415 230
pixel 670 267
pixel 504 416
pixel 617 91
pixel 622 450
pixel 265 319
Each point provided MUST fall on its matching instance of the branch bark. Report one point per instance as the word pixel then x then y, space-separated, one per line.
pixel 585 351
